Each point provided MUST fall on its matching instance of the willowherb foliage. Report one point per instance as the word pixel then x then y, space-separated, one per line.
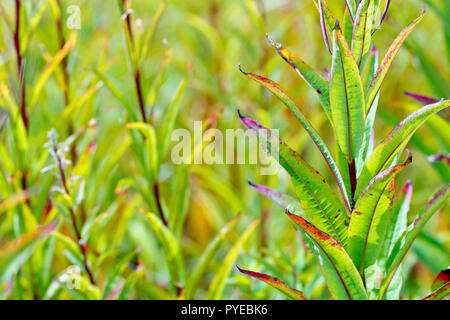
pixel 359 234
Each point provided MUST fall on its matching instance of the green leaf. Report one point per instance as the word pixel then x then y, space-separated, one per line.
pixel 312 77
pixel 320 144
pixel 361 37
pixel 439 294
pixel 171 248
pixel 15 253
pixel 369 218
pixel 289 292
pixel 397 220
pixel 346 97
pixel 386 63
pixel 151 144
pixel 218 284
pixel 283 200
pixel 341 275
pixel 327 14
pixel 150 31
pixel 385 153
pixel 442 278
pixel 178 207
pixel 321 205
pixel 413 231
pixel 116 93
pixel 366 151
pixel 50 67
pixel 206 257
pixel 169 122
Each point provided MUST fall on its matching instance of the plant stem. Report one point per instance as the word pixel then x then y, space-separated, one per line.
pixel 20 67
pixel 353 180
pixel 135 69
pixel 66 77
pixel 158 203
pixel 81 245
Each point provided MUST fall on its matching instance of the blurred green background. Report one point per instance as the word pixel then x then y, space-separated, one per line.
pixel 202 43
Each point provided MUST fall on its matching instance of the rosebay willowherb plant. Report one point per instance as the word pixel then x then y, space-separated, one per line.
pixel 359 234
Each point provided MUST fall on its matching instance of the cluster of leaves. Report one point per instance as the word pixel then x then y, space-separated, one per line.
pixel 359 235
pixel 90 205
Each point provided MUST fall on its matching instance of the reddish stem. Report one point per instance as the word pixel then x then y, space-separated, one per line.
pixel 20 67
pixel 81 245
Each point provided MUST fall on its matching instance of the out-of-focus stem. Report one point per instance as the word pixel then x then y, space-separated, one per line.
pixel 81 245
pixel 20 66
pixel 136 71
pixel 66 78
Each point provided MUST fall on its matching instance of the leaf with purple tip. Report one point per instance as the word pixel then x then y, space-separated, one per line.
pixel 289 292
pixel 320 203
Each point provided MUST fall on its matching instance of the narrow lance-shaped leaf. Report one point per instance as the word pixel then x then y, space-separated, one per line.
pixel 289 292
pixel 346 97
pixel 413 231
pixel 342 277
pixel 311 76
pixel 398 219
pixel 442 278
pixel 323 26
pixel 13 254
pixel 361 38
pixel 171 248
pixel 387 61
pixel 320 144
pixel 351 8
pixel 218 284
pixel 369 217
pixel 385 153
pixel 281 199
pixel 206 257
pixel 370 117
pixel 324 10
pixel 50 67
pixel 318 200
pixel 421 98
pixel 383 16
pixel 439 294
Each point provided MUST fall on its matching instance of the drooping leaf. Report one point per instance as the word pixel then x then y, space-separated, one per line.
pixel 312 77
pixel 346 97
pixel 289 292
pixel 385 153
pixel 283 200
pixel 320 144
pixel 369 217
pixel 318 200
pixel 421 98
pixel 341 275
pixel 406 241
